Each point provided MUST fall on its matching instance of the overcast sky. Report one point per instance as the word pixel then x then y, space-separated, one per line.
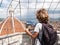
pixel 30 8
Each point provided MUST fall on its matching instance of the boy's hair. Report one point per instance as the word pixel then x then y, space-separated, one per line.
pixel 42 16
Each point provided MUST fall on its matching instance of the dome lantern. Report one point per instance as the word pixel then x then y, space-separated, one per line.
pixel 11 10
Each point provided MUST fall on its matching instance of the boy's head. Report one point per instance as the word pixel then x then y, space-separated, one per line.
pixel 42 16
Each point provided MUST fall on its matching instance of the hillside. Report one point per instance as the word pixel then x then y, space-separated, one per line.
pixel 1 19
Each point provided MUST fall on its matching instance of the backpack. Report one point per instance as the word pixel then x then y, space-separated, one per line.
pixel 49 35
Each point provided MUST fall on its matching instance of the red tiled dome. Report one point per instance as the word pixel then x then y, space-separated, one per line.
pixel 7 27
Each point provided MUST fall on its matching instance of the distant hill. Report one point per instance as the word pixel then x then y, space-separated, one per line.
pixel 54 19
pixel 1 19
pixel 32 20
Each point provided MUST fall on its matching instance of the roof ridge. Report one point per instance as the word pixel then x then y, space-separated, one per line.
pixel 3 24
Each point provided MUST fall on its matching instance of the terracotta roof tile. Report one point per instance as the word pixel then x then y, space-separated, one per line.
pixel 8 29
pixel 18 26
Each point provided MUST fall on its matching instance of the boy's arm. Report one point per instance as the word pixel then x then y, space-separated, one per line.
pixel 32 35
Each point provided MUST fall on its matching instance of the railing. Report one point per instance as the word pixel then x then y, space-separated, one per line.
pixel 16 39
pixel 19 39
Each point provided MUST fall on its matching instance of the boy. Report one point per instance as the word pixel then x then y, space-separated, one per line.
pixel 42 16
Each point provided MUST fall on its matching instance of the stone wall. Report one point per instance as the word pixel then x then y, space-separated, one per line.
pixel 16 39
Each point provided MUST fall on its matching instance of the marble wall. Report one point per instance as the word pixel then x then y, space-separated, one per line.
pixel 16 39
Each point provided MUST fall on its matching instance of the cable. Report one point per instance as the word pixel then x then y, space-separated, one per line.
pixel 35 5
pixel 50 5
pixel 16 6
pixel 9 4
pixel 1 3
pixel 56 6
pixel 43 4
pixel 20 8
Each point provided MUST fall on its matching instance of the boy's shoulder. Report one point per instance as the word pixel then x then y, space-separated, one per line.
pixel 39 24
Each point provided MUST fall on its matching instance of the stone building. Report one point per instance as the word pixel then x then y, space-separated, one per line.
pixel 12 31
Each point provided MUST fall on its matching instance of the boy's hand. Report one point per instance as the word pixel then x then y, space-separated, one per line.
pixel 26 29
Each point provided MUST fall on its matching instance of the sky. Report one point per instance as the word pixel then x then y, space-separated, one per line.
pixel 28 10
